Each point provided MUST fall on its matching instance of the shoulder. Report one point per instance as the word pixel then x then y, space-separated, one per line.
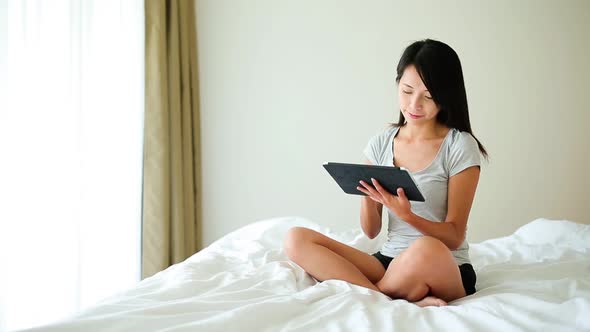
pixel 376 148
pixel 383 135
pixel 462 140
pixel 462 152
pixel 386 132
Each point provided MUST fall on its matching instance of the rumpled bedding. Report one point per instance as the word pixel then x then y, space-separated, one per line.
pixel 537 279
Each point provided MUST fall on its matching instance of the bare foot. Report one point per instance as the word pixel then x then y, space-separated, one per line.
pixel 430 301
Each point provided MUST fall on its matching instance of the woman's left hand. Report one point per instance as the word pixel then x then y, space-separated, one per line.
pixel 400 205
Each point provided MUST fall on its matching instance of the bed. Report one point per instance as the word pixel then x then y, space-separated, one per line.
pixel 537 279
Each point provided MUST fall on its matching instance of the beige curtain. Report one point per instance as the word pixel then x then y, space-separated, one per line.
pixel 171 228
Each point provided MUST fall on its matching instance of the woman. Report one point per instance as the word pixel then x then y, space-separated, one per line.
pixel 425 259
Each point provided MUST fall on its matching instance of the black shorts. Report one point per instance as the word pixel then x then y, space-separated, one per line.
pixel 467 272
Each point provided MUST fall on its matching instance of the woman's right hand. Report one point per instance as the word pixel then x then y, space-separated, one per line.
pixel 371 213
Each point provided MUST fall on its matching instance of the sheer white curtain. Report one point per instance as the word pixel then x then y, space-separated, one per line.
pixel 71 120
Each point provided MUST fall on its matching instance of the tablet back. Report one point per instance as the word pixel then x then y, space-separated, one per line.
pixel 348 176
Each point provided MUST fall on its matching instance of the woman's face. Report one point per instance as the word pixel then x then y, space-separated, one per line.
pixel 415 101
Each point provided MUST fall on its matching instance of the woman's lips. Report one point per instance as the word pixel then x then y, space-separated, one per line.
pixel 414 116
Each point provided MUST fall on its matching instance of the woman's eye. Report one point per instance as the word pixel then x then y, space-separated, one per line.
pixel 407 92
pixel 428 97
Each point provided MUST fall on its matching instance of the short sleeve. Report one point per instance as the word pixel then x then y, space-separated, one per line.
pixel 464 153
pixel 372 150
pixel 376 147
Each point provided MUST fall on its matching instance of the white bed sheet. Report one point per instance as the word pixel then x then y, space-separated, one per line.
pixel 537 279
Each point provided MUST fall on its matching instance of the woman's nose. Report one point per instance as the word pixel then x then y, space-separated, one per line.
pixel 415 103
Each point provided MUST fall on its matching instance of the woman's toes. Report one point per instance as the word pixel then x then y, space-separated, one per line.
pixel 430 301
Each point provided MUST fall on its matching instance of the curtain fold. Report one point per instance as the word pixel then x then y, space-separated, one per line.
pixel 171 229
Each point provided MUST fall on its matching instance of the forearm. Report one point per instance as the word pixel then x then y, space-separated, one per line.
pixel 447 232
pixel 370 217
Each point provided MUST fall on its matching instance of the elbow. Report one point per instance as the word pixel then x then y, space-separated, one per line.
pixel 371 235
pixel 370 218
pixel 455 243
pixel 371 232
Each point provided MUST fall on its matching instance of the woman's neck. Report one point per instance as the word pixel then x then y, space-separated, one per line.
pixel 423 132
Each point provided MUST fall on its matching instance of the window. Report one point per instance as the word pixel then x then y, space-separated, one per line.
pixel 71 121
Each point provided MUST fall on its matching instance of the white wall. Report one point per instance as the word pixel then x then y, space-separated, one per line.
pixel 287 85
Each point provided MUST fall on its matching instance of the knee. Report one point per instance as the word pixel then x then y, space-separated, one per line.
pixel 296 238
pixel 429 244
pixel 422 253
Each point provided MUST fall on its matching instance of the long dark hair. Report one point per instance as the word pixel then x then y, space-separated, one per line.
pixel 440 69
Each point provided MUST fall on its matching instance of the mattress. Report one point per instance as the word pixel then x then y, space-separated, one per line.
pixel 536 279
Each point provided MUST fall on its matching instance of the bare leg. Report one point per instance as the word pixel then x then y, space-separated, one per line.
pixel 325 258
pixel 426 273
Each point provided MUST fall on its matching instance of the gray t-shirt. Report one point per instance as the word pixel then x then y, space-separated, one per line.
pixel 458 151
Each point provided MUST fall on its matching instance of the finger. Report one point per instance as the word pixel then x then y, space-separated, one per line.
pixel 377 186
pixel 366 192
pixel 369 188
pixel 401 193
pixel 383 193
pixel 363 190
pixel 371 192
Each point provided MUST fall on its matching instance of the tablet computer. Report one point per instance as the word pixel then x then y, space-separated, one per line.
pixel 348 176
